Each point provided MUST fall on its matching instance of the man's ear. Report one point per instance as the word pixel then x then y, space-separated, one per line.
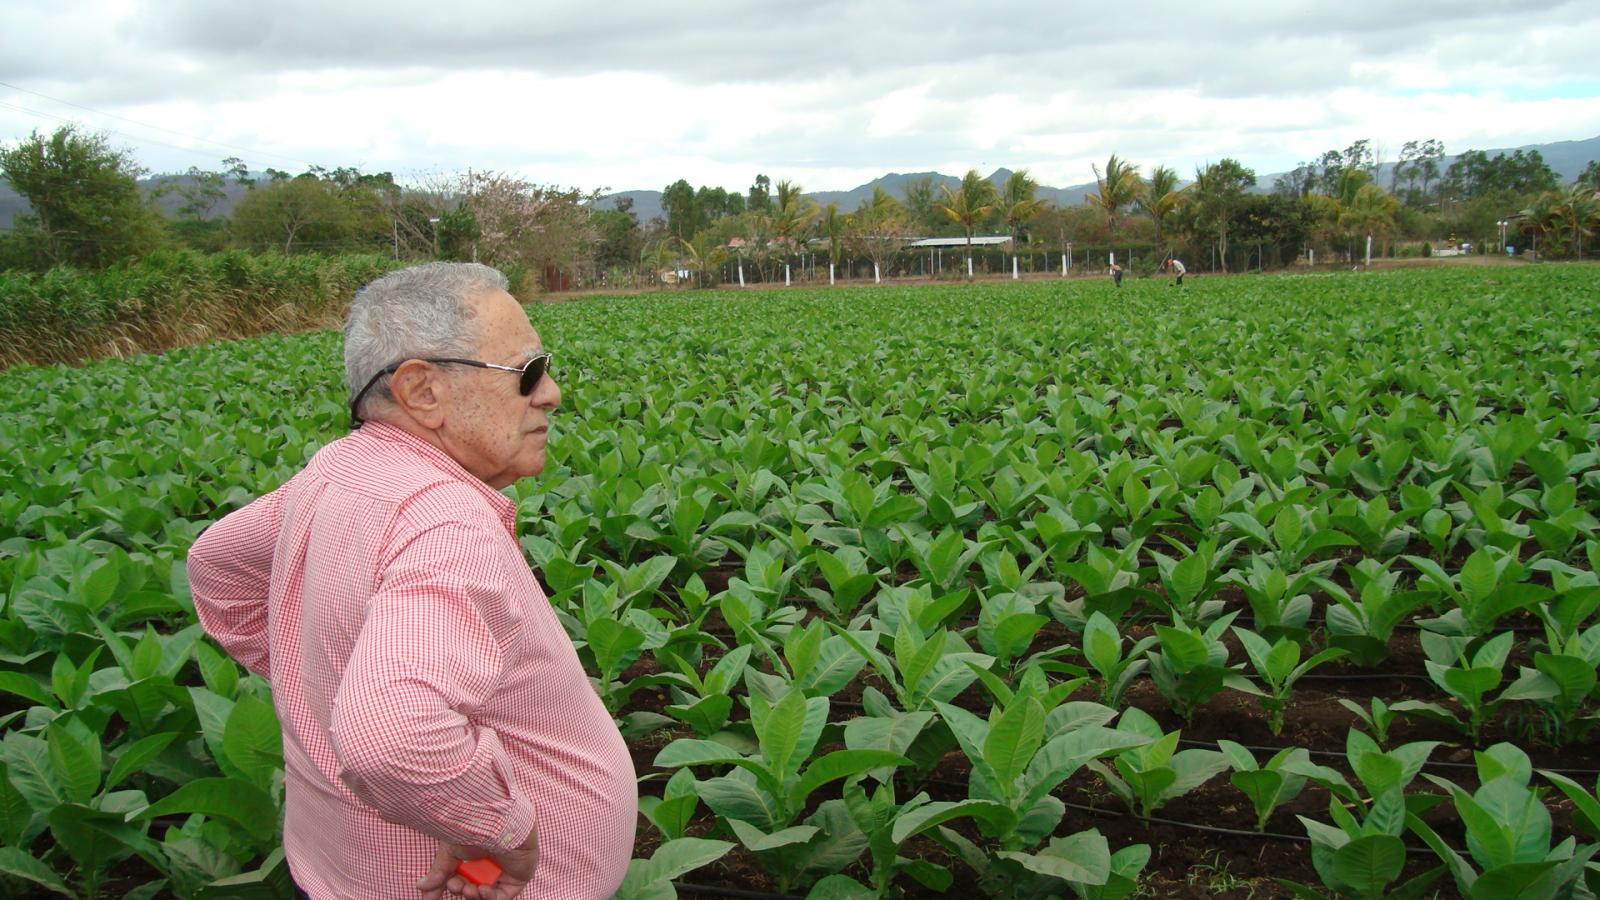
pixel 421 392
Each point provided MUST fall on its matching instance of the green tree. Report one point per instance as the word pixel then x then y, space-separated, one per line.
pixel 1218 191
pixel 1371 211
pixel 705 255
pixel 792 217
pixel 305 212
pixel 1160 197
pixel 877 230
pixel 1115 189
pixel 1416 170
pixel 683 214
pixel 1474 174
pixel 834 224
pixel 619 240
pixel 86 209
pixel 1019 205
pixel 760 195
pixel 922 207
pixel 1590 178
pixel 969 204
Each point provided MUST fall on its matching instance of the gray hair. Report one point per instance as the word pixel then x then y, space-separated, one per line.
pixel 413 312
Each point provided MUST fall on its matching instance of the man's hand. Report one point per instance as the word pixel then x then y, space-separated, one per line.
pixel 517 870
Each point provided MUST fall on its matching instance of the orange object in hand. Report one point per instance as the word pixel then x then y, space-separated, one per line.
pixel 479 871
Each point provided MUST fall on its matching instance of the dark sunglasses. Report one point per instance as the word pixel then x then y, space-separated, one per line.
pixel 532 372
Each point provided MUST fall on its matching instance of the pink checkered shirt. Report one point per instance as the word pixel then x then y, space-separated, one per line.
pixel 426 689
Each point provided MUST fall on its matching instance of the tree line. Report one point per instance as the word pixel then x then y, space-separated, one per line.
pixel 87 211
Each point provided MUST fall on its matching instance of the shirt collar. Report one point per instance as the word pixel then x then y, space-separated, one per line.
pixel 500 503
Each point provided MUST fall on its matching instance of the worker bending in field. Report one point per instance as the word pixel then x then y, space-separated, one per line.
pixel 1175 265
pixel 433 708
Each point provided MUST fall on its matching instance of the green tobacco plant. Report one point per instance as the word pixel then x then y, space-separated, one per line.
pixel 1381 532
pixel 1278 601
pixel 849 581
pixel 1469 677
pixel 1191 583
pixel 1378 716
pixel 651 879
pixel 704 701
pixel 612 636
pixel 1268 786
pixel 1007 624
pixel 922 671
pixel 1103 649
pixel 1278 666
pixel 1365 624
pixel 1191 666
pixel 862 514
pixel 1361 854
pixel 1562 684
pixel 1508 835
pixel 1111 580
pixel 687 537
pixel 943 560
pixel 1154 771
pixel 888 825
pixel 671 812
pixel 949 500
pixel 1082 863
pixel 1488 588
pixel 1560 520
pixel 762 799
pixel 1295 535
pixel 1016 763
pixel 820 663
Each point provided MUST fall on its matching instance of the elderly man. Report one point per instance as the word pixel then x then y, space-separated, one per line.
pixel 433 708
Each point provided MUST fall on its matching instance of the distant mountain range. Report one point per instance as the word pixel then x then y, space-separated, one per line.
pixel 1567 158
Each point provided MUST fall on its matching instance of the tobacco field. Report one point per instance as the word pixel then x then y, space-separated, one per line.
pixel 1268 586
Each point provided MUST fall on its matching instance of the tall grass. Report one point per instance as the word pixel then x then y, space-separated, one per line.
pixel 172 298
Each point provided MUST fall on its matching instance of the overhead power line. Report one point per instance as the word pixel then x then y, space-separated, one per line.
pixel 100 112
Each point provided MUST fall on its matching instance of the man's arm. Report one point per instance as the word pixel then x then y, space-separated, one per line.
pixel 428 657
pixel 230 567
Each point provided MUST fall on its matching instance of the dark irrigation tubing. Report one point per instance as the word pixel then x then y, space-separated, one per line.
pixel 1334 754
pixel 1112 813
pixel 1331 754
pixel 715 891
pixel 1215 829
pixel 1361 676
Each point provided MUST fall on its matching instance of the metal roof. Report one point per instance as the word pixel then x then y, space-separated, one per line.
pixel 977 241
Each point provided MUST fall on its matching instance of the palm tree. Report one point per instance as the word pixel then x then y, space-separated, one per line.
pixel 833 227
pixel 1580 213
pixel 1370 211
pixel 1160 198
pixel 1018 203
pixel 1542 218
pixel 967 205
pixel 706 254
pixel 1118 186
pixel 792 216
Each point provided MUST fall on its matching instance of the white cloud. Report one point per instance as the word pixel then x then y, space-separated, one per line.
pixel 637 94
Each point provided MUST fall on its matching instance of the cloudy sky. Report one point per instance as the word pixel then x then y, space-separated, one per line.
pixel 631 94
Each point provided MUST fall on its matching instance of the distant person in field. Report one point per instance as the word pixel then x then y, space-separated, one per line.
pixel 433 708
pixel 1175 265
pixel 1116 274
